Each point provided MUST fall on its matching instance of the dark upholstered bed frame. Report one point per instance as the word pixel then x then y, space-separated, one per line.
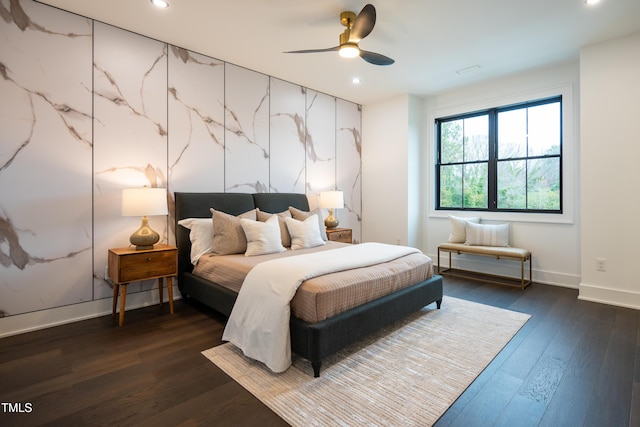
pixel 313 341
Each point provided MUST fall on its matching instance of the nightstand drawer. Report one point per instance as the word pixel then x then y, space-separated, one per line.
pixel 343 235
pixel 148 258
pixel 146 271
pixel 134 266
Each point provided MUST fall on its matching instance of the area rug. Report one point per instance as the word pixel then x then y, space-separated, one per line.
pixel 406 374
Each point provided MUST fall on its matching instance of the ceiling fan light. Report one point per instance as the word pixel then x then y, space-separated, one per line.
pixel 349 50
pixel 160 3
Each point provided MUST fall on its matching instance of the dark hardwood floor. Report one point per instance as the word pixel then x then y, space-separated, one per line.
pixel 574 363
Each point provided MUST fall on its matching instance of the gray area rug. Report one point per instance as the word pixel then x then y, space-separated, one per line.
pixel 406 374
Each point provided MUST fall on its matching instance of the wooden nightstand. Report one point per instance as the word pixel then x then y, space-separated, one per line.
pixel 128 265
pixel 343 235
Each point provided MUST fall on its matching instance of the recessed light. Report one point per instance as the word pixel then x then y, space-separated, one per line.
pixel 591 2
pixel 356 80
pixel 160 3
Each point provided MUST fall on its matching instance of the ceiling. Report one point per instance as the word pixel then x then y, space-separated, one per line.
pixel 430 40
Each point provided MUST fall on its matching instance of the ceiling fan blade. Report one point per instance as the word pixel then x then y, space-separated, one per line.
pixel 363 24
pixel 375 58
pixel 329 49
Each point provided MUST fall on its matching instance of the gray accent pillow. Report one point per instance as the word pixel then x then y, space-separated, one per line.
pixel 228 235
pixel 302 215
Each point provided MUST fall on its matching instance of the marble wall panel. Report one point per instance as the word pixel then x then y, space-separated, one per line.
pixel 88 109
pixel 320 142
pixel 348 165
pixel 246 130
pixel 130 136
pixel 45 158
pixel 196 122
pixel 287 137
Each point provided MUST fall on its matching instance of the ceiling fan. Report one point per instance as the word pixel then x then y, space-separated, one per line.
pixel 358 27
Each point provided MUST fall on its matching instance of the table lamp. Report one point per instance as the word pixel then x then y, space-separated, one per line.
pixel 331 200
pixel 144 202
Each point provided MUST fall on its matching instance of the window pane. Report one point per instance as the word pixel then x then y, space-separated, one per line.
pixel 476 190
pixel 476 138
pixel 451 186
pixel 512 185
pixel 512 134
pixel 451 136
pixel 544 129
pixel 543 184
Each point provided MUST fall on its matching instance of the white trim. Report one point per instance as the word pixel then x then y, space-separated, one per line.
pixel 609 296
pixel 568 154
pixel 21 323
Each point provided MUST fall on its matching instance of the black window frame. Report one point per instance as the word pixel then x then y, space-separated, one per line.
pixel 492 162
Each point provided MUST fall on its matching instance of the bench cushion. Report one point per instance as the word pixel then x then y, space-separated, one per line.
pixel 503 251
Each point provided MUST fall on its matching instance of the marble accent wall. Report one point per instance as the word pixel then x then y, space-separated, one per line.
pixel 320 139
pixel 287 137
pixel 196 122
pixel 88 109
pixel 45 158
pixel 246 131
pixel 348 168
pixel 129 134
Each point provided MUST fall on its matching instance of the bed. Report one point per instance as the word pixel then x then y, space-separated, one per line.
pixel 313 340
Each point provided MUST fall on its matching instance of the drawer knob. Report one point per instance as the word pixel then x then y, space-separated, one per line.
pixel 149 259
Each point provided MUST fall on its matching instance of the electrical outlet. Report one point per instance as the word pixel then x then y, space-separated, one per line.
pixel 601 264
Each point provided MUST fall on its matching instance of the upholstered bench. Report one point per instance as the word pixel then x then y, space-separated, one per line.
pixel 498 252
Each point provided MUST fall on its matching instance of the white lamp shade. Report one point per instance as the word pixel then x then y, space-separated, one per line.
pixel 144 201
pixel 332 199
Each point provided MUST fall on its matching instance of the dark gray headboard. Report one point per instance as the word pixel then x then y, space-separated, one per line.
pixel 280 202
pixel 198 205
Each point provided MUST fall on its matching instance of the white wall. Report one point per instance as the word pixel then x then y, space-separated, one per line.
pixel 398 170
pixel 386 135
pixel 554 240
pixel 610 108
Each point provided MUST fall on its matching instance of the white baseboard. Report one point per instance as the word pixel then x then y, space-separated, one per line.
pixel 609 296
pixel 21 323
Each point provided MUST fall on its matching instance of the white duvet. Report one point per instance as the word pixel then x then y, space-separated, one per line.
pixel 259 321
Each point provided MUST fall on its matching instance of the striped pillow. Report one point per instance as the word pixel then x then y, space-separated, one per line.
pixel 487 234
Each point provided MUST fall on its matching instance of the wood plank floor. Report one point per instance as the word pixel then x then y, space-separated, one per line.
pixel 574 363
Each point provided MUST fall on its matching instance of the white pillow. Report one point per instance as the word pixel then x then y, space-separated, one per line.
pixel 284 232
pixel 262 237
pixel 487 234
pixel 458 228
pixel 201 236
pixel 302 215
pixel 304 234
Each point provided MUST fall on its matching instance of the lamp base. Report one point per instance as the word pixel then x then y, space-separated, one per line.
pixel 144 237
pixel 331 221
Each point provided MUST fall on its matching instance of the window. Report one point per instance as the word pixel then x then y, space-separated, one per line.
pixel 502 159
